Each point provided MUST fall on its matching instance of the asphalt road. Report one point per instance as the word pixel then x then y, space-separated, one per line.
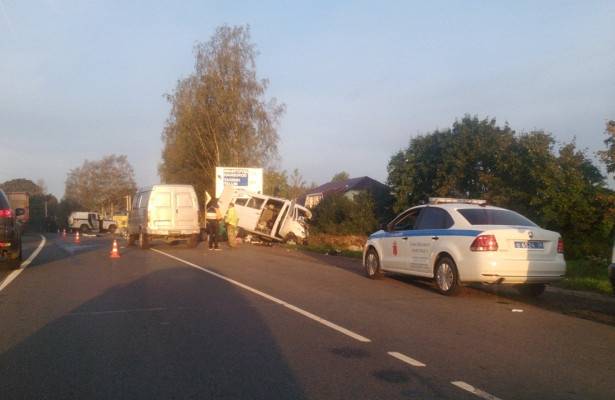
pixel 266 323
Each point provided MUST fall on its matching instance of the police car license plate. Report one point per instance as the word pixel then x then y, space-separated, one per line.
pixel 530 244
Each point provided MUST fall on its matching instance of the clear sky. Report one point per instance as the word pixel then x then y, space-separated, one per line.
pixel 82 79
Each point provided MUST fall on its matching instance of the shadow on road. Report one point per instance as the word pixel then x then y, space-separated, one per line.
pixel 173 333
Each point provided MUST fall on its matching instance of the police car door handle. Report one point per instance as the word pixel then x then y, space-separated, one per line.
pixel 435 237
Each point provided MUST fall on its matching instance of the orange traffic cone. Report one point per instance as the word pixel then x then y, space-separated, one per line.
pixel 63 232
pixel 77 240
pixel 115 253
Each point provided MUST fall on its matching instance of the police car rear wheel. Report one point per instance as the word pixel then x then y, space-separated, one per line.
pixel 372 265
pixel 446 277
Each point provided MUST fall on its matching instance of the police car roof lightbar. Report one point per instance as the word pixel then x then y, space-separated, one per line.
pixel 448 200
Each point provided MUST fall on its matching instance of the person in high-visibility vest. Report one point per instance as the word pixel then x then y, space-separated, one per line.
pixel 231 221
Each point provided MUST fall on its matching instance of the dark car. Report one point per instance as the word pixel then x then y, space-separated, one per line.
pixel 612 270
pixel 10 233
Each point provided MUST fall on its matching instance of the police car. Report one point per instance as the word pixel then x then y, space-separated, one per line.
pixel 459 241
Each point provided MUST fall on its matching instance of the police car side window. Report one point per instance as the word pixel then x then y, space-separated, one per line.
pixel 434 218
pixel 407 222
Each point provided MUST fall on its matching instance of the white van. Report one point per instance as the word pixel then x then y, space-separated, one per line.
pixel 88 221
pixel 169 212
pixel 268 217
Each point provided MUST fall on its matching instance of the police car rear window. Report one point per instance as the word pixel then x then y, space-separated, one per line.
pixel 494 217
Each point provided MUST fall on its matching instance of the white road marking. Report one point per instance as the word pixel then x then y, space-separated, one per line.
pixel 13 275
pixel 296 309
pixel 469 388
pixel 406 359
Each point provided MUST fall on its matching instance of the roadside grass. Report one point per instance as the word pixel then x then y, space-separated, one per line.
pixel 587 274
pixel 335 245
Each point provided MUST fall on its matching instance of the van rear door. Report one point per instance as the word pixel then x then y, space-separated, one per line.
pixel 160 209
pixel 186 211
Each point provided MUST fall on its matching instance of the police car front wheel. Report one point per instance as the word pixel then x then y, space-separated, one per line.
pixel 446 277
pixel 372 265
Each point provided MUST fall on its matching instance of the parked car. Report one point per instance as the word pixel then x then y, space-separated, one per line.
pixel 456 241
pixel 267 217
pixel 88 221
pixel 169 212
pixel 10 233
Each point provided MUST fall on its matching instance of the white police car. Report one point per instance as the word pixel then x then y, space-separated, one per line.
pixel 458 241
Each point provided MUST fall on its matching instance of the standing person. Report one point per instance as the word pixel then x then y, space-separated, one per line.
pixel 213 217
pixel 231 221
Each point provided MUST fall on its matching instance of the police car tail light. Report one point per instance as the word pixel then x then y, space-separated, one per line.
pixel 560 246
pixel 484 243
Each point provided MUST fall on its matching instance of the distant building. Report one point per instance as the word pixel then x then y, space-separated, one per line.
pixel 379 191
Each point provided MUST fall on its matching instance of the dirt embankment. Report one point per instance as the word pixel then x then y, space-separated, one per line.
pixel 347 242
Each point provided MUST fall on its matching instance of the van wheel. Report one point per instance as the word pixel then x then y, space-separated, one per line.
pixel 291 238
pixel 193 241
pixel 446 277
pixel 143 240
pixel 372 265
pixel 534 290
pixel 84 228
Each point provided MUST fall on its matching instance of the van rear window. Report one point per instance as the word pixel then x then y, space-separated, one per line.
pixel 183 199
pixel 486 216
pixel 161 199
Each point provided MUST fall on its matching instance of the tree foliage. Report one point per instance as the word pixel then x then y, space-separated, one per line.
pixel 280 184
pixel 340 176
pixel 337 214
pixel 219 114
pixel 22 185
pixel 101 185
pixel 558 189
pixel 608 155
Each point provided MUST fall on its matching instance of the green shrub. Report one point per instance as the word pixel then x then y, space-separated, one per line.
pixel 337 214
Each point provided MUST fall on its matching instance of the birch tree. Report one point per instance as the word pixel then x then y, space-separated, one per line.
pixel 219 115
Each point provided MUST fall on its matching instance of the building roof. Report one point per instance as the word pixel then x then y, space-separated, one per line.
pixel 361 183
